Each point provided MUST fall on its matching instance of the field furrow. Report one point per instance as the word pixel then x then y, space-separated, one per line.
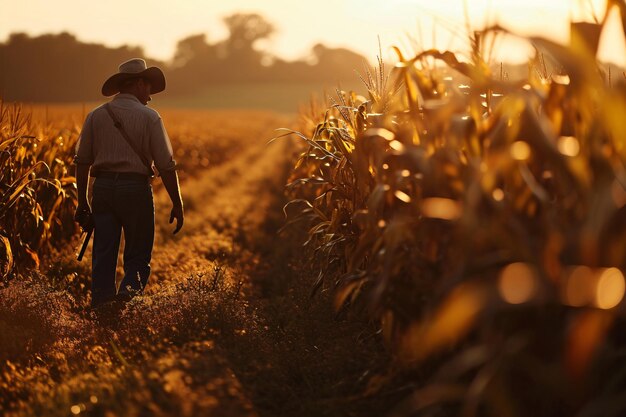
pixel 223 207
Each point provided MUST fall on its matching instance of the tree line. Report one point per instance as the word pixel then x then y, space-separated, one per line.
pixel 59 67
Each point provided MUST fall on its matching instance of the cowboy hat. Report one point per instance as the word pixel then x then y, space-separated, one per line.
pixel 134 68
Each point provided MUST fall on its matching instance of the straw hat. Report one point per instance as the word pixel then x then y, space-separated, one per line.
pixel 134 68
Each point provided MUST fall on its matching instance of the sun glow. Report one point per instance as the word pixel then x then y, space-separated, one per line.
pixel 355 24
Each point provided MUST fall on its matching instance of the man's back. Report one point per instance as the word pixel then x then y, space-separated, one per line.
pixel 102 145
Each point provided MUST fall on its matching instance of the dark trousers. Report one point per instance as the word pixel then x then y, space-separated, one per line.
pixel 121 205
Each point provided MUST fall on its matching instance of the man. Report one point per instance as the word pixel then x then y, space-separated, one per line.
pixel 119 143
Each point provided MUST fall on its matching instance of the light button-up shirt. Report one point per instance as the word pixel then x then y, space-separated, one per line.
pixel 103 146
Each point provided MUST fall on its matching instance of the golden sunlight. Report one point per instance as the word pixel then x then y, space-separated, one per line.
pixel 568 145
pixel 445 213
pixel 441 208
pixel 520 150
pixel 517 283
pixel 610 288
pixel 410 24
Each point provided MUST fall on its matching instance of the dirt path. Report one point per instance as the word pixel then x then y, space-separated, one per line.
pixel 286 354
pixel 226 206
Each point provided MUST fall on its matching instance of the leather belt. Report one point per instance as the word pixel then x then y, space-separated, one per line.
pixel 121 175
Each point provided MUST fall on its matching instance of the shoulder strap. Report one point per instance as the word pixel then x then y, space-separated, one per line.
pixel 120 127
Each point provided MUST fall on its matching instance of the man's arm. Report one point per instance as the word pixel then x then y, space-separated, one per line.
pixel 163 156
pixel 83 160
pixel 170 181
pixel 82 179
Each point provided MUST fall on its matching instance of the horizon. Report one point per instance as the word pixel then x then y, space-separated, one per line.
pixel 440 25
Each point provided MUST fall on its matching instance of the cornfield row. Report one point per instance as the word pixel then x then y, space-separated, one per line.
pixel 37 181
pixel 483 225
pixel 37 184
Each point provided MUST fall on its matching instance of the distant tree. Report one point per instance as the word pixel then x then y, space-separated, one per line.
pixel 56 67
pixel 336 63
pixel 192 48
pixel 336 56
pixel 246 29
pixel 59 67
pixel 18 38
pixel 195 61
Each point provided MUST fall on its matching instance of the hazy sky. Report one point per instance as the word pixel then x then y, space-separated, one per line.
pixel 158 24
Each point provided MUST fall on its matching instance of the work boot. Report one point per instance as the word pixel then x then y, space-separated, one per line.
pixel 124 295
pixel 108 313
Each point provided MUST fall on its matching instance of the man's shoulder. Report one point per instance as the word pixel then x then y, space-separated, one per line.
pixel 140 110
pixel 146 112
pixel 95 110
pixel 151 113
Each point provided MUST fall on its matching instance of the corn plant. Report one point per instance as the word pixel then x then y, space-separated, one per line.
pixel 482 225
pixel 38 192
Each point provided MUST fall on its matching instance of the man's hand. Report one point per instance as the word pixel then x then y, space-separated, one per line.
pixel 83 217
pixel 170 181
pixel 178 214
pixel 83 211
